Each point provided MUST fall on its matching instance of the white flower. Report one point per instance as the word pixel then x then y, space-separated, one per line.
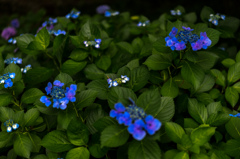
pixel 9 129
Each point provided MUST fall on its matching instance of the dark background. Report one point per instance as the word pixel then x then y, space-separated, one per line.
pixel 150 8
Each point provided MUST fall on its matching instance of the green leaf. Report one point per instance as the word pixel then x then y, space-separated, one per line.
pixel 98 152
pixel 5 138
pixel 220 78
pixel 202 135
pixel 145 149
pixel 57 141
pixel 104 122
pixel 160 46
pixel 158 62
pixel 77 41
pixel 11 154
pixel 236 86
pixel 193 74
pixel 120 94
pixel 85 98
pixel 150 101
pixel 139 78
pixel 23 41
pixel 190 123
pixel 114 136
pixel 77 133
pixel 92 72
pixel 206 59
pixel 43 38
pixel 22 145
pixel 78 54
pixel 234 73
pixel 38 75
pixel 231 96
pixel 78 153
pixel 31 116
pixel 58 47
pixel 6 114
pixel 228 62
pixel 100 86
pixel 126 47
pixel 206 85
pixel 88 30
pixel 214 107
pixel 166 110
pixel 190 17
pixel 40 157
pixel 36 140
pixel 213 35
pixel 174 131
pixel 218 118
pixel 5 99
pixel 200 156
pixel 181 155
pixel 64 78
pixel 13 68
pixel 133 64
pixel 232 148
pixel 31 95
pixel 205 13
pixel 197 110
pixel 103 62
pixel 65 117
pixel 233 128
pixel 71 67
pixel 170 89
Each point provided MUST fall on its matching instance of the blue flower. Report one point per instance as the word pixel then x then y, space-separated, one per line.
pixel 73 14
pixel 15 126
pixel 124 78
pixel 9 129
pixel 214 18
pixel 137 129
pixel 215 22
pixel 223 17
pixel 15 23
pixel 237 115
pixel 180 46
pixel 173 32
pixel 45 100
pixel 12 40
pixel 125 119
pixel 115 83
pixel 152 124
pixel 58 83
pixel 60 103
pixel 196 46
pixel 71 92
pixel 187 28
pixel 98 41
pixel 58 32
pixel 177 12
pixel 8 83
pixel 118 112
pixel 102 9
pixel 172 12
pixel 109 80
pixel 48 89
pixel 107 14
pixel 24 70
pixel 15 60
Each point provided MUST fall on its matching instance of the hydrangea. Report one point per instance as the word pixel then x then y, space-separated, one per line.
pixel 117 81
pixel 102 9
pixel 49 28
pixel 138 122
pixel 26 68
pixel 15 23
pixel 143 24
pixel 214 18
pixel 175 12
pixel 15 60
pixel 178 40
pixel 8 32
pixel 12 40
pixel 6 79
pixel 111 13
pixel 73 14
pixel 59 96
pixel 96 43
pixel 11 125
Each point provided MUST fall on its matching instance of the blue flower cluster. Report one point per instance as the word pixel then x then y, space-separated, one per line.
pixel 110 14
pixel 6 79
pixel 214 18
pixel 237 115
pixel 57 32
pixel 60 96
pixel 12 40
pixel 136 119
pixel 26 68
pixel 15 60
pixel 178 40
pixel 73 14
pixel 10 125
pixel 102 9
pixel 95 43
pixel 175 12
pixel 50 21
pixel 117 81
pixel 143 24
